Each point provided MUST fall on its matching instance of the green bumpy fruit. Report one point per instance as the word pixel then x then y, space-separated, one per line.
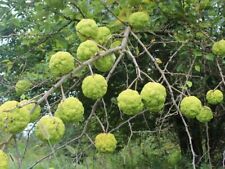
pixel 104 34
pixel 86 50
pixel 22 86
pixel 105 142
pixel 219 48
pixel 190 106
pixel 214 97
pixel 36 112
pixel 154 96
pixel 174 157
pixel 13 119
pixel 94 86
pixel 4 160
pixel 129 102
pixel 86 29
pixel 105 63
pixel 61 63
pixel 138 20
pixel 70 110
pixel 205 115
pixel 50 129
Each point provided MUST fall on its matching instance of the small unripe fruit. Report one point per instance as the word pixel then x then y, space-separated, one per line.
pixel 30 107
pixel 94 86
pixel 4 160
pixel 205 115
pixel 22 86
pixel 190 106
pixel 105 63
pixel 105 142
pixel 103 35
pixel 13 119
pixel 138 20
pixel 86 29
pixel 70 110
pixel 129 102
pixel 219 48
pixel 86 50
pixel 154 96
pixel 61 63
pixel 214 97
pixel 50 129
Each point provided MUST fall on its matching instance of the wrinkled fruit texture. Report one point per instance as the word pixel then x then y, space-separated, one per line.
pixel 138 20
pixel 50 129
pixel 86 29
pixel 190 106
pixel 36 112
pixel 105 142
pixel 205 115
pixel 129 102
pixel 94 86
pixel 22 86
pixel 154 96
pixel 12 119
pixel 214 97
pixel 104 34
pixel 4 160
pixel 70 110
pixel 219 48
pixel 61 63
pixel 105 63
pixel 86 50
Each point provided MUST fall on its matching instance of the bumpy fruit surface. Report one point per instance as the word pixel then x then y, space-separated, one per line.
pixel 105 63
pixel 22 86
pixel 70 110
pixel 4 160
pixel 214 97
pixel 105 142
pixel 86 50
pixel 219 48
pixel 190 106
pixel 129 101
pixel 138 20
pixel 87 29
pixel 61 63
pixel 154 96
pixel 50 129
pixel 103 35
pixel 205 115
pixel 36 112
pixel 13 119
pixel 94 86
pixel 174 157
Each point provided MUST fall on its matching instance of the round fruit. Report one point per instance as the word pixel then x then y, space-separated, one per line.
pixel 50 129
pixel 70 110
pixel 4 160
pixel 154 96
pixel 86 29
pixel 129 101
pixel 105 63
pixel 22 86
pixel 214 97
pixel 138 20
pixel 94 86
pixel 105 142
pixel 190 106
pixel 35 113
pixel 219 48
pixel 61 63
pixel 103 35
pixel 86 50
pixel 174 157
pixel 13 119
pixel 205 115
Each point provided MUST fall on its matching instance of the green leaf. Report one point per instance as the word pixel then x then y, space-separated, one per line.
pixel 189 84
pixel 197 68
